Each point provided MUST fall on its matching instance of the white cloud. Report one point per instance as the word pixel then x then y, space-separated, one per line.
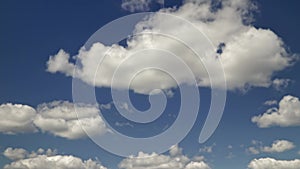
pixel 280 84
pixel 58 118
pixel 61 119
pixel 253 150
pixel 250 56
pixel 57 161
pixel 138 5
pixel 16 154
pixel 270 163
pixel 46 159
pixel 287 114
pixel 207 149
pixel 270 102
pixel 156 161
pixel 16 118
pixel 278 146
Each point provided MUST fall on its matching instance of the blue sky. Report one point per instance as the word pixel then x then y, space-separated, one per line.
pixel 32 31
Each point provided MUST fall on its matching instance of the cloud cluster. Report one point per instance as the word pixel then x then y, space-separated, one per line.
pixel 175 159
pixel 286 114
pixel 20 153
pixel 58 118
pixel 270 163
pixel 47 160
pixel 250 55
pixel 138 5
pixel 278 146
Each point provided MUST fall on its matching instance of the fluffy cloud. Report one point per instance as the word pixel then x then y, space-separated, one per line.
pixel 250 55
pixel 16 154
pixel 16 118
pixel 156 161
pixel 61 119
pixel 278 146
pixel 287 114
pixel 58 118
pixel 138 5
pixel 57 161
pixel 270 163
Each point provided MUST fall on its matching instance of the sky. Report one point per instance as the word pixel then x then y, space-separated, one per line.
pixel 82 83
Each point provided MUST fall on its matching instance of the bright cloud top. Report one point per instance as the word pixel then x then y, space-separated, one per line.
pixel 155 161
pixel 47 160
pixel 278 146
pixel 58 118
pixel 20 153
pixel 286 114
pixel 270 163
pixel 61 119
pixel 16 118
pixel 250 56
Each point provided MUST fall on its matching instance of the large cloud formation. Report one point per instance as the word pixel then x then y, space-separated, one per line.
pixel 287 114
pixel 175 159
pixel 47 159
pixel 250 55
pixel 58 118
pixel 270 163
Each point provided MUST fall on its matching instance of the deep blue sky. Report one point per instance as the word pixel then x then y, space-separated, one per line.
pixel 32 30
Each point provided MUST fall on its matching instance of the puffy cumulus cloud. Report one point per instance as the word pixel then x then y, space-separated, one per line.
pixel 155 161
pixel 57 161
pixel 60 119
pixel 15 154
pixel 270 163
pixel 16 118
pixel 278 146
pixel 250 56
pixel 287 114
pixel 138 5
pixel 20 153
pixel 46 159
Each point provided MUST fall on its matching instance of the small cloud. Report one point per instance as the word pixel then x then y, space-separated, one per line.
pixel 139 5
pixel 270 102
pixel 123 124
pixel 281 84
pixel 207 149
pixel 252 150
pixel 285 115
pixel 278 146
